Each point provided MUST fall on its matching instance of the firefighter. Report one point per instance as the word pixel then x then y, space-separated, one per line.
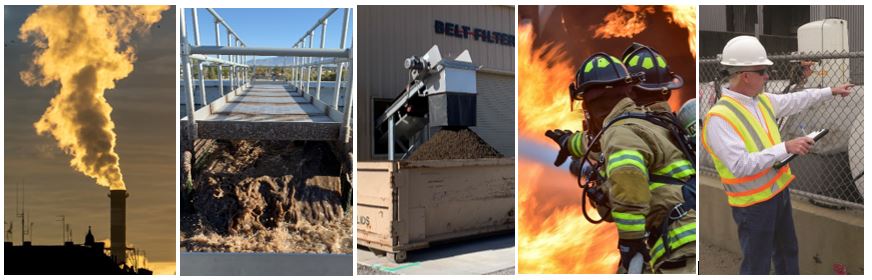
pixel 740 134
pixel 652 218
pixel 655 90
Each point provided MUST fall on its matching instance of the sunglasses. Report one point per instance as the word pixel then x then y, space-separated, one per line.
pixel 760 72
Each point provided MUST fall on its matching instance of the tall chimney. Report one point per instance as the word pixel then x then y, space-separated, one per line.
pixel 118 225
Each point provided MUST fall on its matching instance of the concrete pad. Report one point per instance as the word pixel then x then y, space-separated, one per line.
pixel 714 260
pixel 268 130
pixel 267 111
pixel 830 241
pixel 248 98
pixel 473 257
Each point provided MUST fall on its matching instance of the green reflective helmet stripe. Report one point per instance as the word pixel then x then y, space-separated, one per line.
pixel 647 63
pixel 602 62
pixel 600 70
pixel 640 58
pixel 634 61
pixel 588 67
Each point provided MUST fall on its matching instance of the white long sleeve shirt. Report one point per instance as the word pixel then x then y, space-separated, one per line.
pixel 729 147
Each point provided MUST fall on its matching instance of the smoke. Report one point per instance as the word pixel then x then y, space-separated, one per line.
pixel 85 49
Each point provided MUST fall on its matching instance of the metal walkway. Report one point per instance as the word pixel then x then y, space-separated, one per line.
pixel 268 110
pixel 293 108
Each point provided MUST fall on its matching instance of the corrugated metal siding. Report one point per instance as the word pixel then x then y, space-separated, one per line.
pixel 854 16
pixel 496 111
pixel 389 34
pixel 713 18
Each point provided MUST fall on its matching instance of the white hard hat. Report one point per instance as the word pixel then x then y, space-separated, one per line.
pixel 744 51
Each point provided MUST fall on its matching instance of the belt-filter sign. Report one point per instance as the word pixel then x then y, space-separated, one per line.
pixel 478 34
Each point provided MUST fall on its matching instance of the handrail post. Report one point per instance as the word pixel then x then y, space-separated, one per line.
pixel 220 69
pixel 199 63
pixel 309 62
pixel 186 75
pixel 321 66
pixel 230 58
pixel 340 65
pixel 239 72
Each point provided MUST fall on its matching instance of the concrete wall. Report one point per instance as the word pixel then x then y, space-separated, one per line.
pixel 826 237
pixel 389 34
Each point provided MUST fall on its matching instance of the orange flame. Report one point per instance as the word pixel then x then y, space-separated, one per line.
pixel 685 16
pixel 553 236
pixel 626 22
pixel 543 87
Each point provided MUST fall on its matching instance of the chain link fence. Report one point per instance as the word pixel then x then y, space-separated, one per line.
pixel 832 174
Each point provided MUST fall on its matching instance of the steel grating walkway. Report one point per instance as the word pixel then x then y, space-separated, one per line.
pixel 266 110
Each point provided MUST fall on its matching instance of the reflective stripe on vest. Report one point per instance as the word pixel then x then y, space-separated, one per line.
pixel 677 237
pixel 756 188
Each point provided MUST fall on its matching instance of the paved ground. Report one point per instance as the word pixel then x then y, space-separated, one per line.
pixel 718 261
pixel 490 255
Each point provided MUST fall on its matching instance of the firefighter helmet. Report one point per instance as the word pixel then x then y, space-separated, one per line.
pixel 640 58
pixel 601 69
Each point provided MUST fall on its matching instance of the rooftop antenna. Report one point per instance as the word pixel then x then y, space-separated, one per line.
pixel 8 233
pixel 64 228
pixel 30 230
pixel 19 211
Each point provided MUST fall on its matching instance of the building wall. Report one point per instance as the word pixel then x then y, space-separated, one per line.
pixel 854 16
pixel 713 18
pixel 389 34
pixel 716 29
pixel 496 111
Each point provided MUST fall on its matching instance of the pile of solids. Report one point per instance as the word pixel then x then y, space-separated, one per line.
pixel 454 144
pixel 266 196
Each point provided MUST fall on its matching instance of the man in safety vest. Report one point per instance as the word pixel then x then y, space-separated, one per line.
pixel 740 134
pixel 650 221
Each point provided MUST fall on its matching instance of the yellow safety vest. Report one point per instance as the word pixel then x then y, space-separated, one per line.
pixel 756 188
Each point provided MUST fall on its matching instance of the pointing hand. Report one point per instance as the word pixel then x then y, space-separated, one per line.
pixel 842 90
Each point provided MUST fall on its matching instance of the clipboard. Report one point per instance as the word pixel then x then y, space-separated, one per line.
pixel 816 135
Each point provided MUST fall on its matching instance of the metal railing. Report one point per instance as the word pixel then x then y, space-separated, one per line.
pixel 832 174
pixel 237 74
pixel 309 63
pixel 236 55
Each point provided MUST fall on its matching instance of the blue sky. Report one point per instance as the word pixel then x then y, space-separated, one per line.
pixel 269 27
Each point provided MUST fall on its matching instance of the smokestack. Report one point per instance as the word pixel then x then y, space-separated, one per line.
pixel 118 225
